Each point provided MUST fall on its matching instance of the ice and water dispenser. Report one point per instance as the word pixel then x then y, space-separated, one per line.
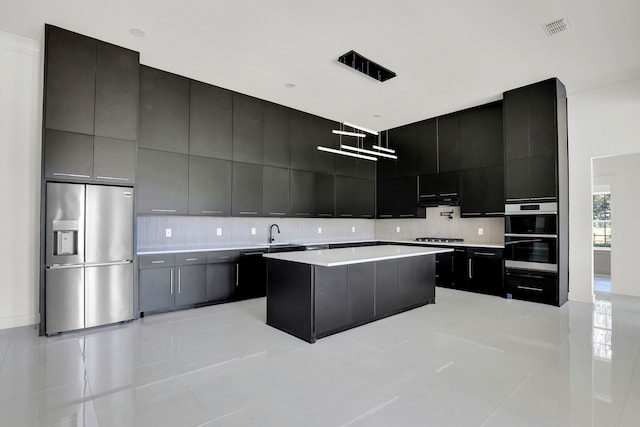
pixel 65 237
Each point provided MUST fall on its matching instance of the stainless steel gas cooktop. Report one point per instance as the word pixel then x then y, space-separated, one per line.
pixel 439 239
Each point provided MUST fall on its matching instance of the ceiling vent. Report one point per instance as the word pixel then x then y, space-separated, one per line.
pixel 359 63
pixel 556 27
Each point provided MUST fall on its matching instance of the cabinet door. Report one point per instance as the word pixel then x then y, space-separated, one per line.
pixel 246 199
pixel 366 169
pixel 516 183
pixel 252 275
pixel 486 270
pixel 156 289
pixel 542 119
pixel 365 198
pixel 163 182
pixel 210 121
pixel 221 281
pixel 192 284
pixel 302 202
pixel 321 134
pixel 301 146
pixel 325 195
pixel 164 111
pixel 444 270
pixel 492 135
pixel 543 177
pixel 247 129
pixel 117 89
pixel 386 287
pixel 493 187
pixel 209 186
pixel 516 124
pixel 405 141
pixel 114 160
pixel 471 139
pixel 398 198
pixel 71 85
pixel 449 143
pixel 428 186
pixel 275 191
pixel 460 269
pixel 385 206
pixel 68 155
pixel 361 292
pixel 331 298
pixel 275 127
pixel 448 184
pixel 346 205
pixel 472 192
pixel 416 280
pixel 427 147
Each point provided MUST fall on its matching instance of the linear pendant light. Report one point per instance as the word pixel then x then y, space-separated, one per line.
pixel 362 150
pixel 378 147
pixel 346 153
pixel 373 132
pixel 342 132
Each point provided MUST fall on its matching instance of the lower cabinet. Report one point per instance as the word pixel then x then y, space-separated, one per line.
pixel 222 275
pixel 167 281
pixel 252 275
pixel 472 269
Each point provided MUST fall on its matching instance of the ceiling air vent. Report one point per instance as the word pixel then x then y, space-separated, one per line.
pixel 359 63
pixel 556 27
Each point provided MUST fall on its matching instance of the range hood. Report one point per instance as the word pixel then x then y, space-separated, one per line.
pixel 439 200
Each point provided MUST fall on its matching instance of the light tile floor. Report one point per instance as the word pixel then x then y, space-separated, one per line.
pixel 469 360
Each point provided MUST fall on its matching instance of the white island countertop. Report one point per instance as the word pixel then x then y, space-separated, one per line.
pixel 346 256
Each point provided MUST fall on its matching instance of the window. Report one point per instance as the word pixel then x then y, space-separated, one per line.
pixel 602 220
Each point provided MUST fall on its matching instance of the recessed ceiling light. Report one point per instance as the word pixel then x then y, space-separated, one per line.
pixel 377 116
pixel 290 85
pixel 136 32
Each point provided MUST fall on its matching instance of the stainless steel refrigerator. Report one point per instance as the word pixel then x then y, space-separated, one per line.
pixel 89 256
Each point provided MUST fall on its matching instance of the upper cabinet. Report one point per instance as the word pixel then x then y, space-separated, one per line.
pixel 247 129
pixel 449 143
pixel 164 111
pixel 532 128
pixel 275 135
pixel 481 136
pixel 210 121
pixel 427 146
pixel 91 109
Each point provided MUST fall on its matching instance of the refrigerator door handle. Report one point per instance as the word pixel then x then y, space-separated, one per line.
pixel 105 264
pixel 171 280
pixel 64 266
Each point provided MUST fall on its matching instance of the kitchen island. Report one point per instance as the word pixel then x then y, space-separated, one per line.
pixel 313 294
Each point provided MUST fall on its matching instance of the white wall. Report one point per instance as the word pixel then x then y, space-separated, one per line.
pixel 20 145
pixel 603 122
pixel 622 174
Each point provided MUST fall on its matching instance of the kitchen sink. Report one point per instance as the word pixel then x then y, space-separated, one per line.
pixel 285 247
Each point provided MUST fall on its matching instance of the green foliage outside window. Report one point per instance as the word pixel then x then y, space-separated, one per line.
pixel 602 220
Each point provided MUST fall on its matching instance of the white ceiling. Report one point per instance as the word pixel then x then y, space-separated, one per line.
pixel 448 54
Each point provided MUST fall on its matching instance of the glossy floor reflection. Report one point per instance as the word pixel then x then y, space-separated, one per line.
pixel 469 360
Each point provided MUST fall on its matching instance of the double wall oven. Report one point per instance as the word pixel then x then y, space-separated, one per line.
pixel 531 250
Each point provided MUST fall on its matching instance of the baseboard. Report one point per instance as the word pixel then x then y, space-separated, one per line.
pixel 21 320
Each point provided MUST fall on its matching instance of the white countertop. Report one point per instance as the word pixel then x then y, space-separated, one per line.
pixel 460 244
pixel 346 256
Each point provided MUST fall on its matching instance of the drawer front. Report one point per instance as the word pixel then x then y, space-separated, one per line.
pixel 156 261
pixel 216 257
pixel 532 287
pixel 489 253
pixel 191 258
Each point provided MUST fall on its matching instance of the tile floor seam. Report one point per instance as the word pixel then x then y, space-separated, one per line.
pixel 501 405
pixel 626 396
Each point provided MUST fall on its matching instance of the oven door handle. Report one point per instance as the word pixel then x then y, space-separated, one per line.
pixel 526 276
pixel 543 236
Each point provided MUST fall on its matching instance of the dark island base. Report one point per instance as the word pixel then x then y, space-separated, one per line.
pixel 311 302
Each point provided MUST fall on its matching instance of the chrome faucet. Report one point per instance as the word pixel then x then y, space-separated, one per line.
pixel 271 238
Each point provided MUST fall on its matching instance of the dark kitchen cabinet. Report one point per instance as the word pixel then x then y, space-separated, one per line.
pixel 485 270
pixel 191 284
pixel 531 179
pixel 449 142
pixel 114 160
pixel 386 292
pixel 70 81
pixel 482 191
pixel 361 292
pixel 517 180
pixel 366 169
pixel 451 269
pixel 412 273
pixel 321 135
pixel 164 111
pixel 543 177
pixel 481 136
pixel 398 198
pixel 222 275
pixel 67 155
pixel 325 195
pixel 331 298
pixel 301 146
pixel 117 90
pixel 163 182
pixel 210 121
pixel 345 165
pixel 209 186
pixel 247 129
pixel 542 120
pixel 439 187
pixel 427 146
pixel 275 191
pixel 246 192
pixel 156 289
pixel 252 275
pixel 302 196
pixel 516 124
pixel 405 141
pixel 275 127
pixel 355 197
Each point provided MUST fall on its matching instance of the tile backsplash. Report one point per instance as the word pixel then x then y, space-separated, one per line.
pixel 436 225
pixel 198 232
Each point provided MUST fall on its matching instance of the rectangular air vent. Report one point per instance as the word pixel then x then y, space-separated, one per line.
pixel 556 27
pixel 358 62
